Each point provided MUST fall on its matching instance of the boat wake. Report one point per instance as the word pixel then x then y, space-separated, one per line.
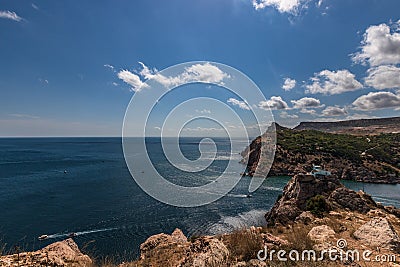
pixel 63 235
pixel 230 223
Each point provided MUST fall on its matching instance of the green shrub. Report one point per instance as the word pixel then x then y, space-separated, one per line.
pixel 317 205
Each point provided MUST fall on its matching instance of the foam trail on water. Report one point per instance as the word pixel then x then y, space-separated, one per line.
pixel 231 223
pixel 59 235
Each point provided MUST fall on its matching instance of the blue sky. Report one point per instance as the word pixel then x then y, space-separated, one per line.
pixel 61 61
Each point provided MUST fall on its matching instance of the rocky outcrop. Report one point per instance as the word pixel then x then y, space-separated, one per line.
pixel 364 159
pixel 176 250
pixel 58 254
pixel 301 188
pixel 378 233
pixel 344 198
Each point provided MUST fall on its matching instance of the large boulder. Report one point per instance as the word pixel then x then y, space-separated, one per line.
pixel 292 203
pixel 176 250
pixel 63 253
pixel 321 235
pixel 349 199
pixel 295 195
pixel 378 233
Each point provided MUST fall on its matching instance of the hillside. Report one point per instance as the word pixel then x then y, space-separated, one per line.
pixel 355 127
pixel 373 158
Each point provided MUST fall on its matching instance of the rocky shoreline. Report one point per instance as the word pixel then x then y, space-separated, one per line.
pixel 313 213
pixel 297 151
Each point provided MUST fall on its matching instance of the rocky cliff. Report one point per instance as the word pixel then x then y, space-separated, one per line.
pixel 374 159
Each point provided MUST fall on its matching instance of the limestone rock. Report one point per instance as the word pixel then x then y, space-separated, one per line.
pixel 346 198
pixel 305 217
pixel 293 201
pixel 378 233
pixel 255 263
pixel 207 251
pixel 269 239
pixel 321 234
pixel 175 250
pixel 63 253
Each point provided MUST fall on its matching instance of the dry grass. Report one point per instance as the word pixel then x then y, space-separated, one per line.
pixel 243 244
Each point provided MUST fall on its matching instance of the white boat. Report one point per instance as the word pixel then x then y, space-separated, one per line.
pixel 43 237
pixel 319 171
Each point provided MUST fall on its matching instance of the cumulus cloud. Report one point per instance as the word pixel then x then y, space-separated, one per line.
pixel 283 6
pixel 308 111
pixel 132 79
pixel 381 45
pixel 240 104
pixel 333 82
pixel 9 15
pixel 306 102
pixel 202 72
pixel 333 111
pixel 285 115
pixel 275 102
pixel 383 77
pixel 377 100
pixel 357 116
pixel 288 84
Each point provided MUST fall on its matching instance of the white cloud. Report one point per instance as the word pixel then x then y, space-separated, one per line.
pixel 111 67
pixel 283 6
pixel 333 82
pixel 377 100
pixel 204 111
pixel 240 104
pixel 319 4
pixel 380 46
pixel 276 102
pixel 157 128
pixel 306 102
pixel 288 84
pixel 206 73
pixel 383 77
pixel 132 79
pixel 35 6
pixel 9 15
pixel 286 115
pixel 24 116
pixel 43 81
pixel 202 72
pixel 357 116
pixel 308 111
pixel 333 111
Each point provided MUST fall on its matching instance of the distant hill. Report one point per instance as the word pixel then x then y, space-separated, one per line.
pixel 355 127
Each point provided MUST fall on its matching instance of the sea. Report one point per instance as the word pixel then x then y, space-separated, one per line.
pixel 58 186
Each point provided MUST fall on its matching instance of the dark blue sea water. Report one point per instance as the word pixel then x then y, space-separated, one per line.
pixel 98 199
